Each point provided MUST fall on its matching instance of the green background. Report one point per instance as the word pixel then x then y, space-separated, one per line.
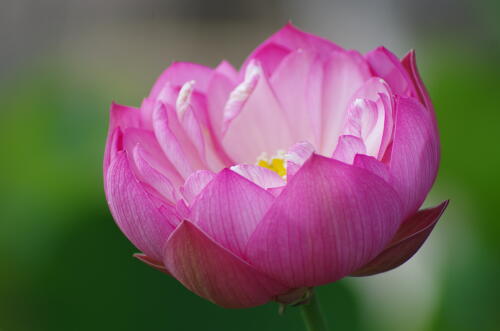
pixel 64 265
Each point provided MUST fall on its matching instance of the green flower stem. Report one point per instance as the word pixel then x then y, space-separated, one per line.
pixel 312 315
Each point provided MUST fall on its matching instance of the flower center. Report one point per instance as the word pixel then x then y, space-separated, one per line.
pixel 275 163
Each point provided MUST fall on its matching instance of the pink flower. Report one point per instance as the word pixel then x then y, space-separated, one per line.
pixel 308 165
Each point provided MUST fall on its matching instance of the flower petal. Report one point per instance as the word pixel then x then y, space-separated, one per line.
pixel 330 219
pixel 345 73
pixel 294 83
pixel 407 241
pixel 179 73
pixel 255 121
pixel 270 56
pixel 213 272
pixel 229 208
pixel 347 148
pixel 296 156
pixel 150 262
pixel 292 38
pixel 261 176
pixel 225 68
pixel 387 66
pixel 151 152
pixel 409 62
pixel 414 158
pixel 372 165
pixel 174 142
pixel 195 183
pixel 137 212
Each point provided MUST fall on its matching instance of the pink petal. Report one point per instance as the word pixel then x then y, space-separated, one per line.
pixel 330 219
pixel 256 124
pixel 263 177
pixel 409 62
pixel 344 74
pixel 180 72
pixel 225 68
pixel 120 117
pixel 295 84
pixel 229 208
pixel 150 262
pixel 407 241
pixel 151 152
pixel 292 38
pixel 214 273
pixel 348 147
pixel 387 66
pixel 152 177
pixel 174 142
pixel 414 158
pixel 195 183
pixel 136 211
pixel 374 103
pixel 270 56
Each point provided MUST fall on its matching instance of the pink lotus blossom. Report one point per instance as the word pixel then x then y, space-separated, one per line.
pixel 308 165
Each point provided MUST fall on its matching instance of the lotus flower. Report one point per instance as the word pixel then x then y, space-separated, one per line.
pixel 307 165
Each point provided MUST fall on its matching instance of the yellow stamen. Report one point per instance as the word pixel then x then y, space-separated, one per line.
pixel 276 164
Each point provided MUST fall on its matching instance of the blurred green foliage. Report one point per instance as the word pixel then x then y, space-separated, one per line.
pixel 66 266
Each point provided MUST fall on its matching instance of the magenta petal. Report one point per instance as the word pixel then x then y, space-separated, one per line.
pixel 214 273
pixel 414 157
pixel 407 241
pixel 387 66
pixel 229 209
pixel 372 165
pixel 150 262
pixel 330 219
pixel 137 212
pixel 409 62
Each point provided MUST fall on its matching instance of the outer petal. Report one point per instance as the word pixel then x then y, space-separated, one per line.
pixel 229 209
pixel 387 66
pixel 214 273
pixel 180 72
pixel 414 157
pixel 407 241
pixel 120 117
pixel 150 262
pixel 137 212
pixel 409 62
pixel 330 219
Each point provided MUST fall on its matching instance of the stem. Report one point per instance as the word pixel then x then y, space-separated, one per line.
pixel 312 315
